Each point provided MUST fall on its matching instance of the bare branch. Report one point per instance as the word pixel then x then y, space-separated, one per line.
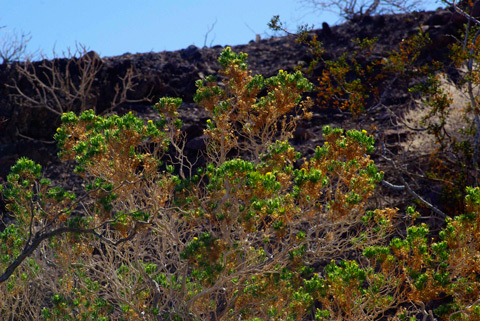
pixel 462 12
pixel 407 187
pixel 35 242
pixel 210 28
pixel 127 84
pixel 59 85
pixel 353 9
pixel 13 46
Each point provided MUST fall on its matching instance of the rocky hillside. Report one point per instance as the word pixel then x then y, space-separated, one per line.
pixel 28 131
pixel 134 241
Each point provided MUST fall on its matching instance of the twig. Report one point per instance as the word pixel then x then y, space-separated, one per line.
pixel 407 187
pixel 210 28
pixel 463 13
pixel 50 142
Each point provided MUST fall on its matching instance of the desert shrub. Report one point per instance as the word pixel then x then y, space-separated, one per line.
pixel 450 118
pixel 439 271
pixel 443 123
pixel 67 83
pixel 358 81
pixel 258 233
pixel 13 46
pixel 248 236
pixel 352 9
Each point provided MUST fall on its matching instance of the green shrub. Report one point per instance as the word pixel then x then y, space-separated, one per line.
pixel 142 241
pixel 250 236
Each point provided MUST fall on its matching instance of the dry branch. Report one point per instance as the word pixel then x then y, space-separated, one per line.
pixel 68 84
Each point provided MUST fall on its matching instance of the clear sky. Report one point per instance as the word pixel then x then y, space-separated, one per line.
pixel 113 27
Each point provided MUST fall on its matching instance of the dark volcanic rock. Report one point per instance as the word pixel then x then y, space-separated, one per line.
pixel 439 18
pixel 192 54
pixel 196 144
pixel 174 74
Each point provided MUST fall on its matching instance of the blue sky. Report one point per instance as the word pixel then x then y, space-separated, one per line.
pixel 115 27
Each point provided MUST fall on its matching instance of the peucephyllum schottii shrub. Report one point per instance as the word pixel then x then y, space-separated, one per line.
pixel 453 118
pixel 252 235
pixel 358 81
pixel 443 271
